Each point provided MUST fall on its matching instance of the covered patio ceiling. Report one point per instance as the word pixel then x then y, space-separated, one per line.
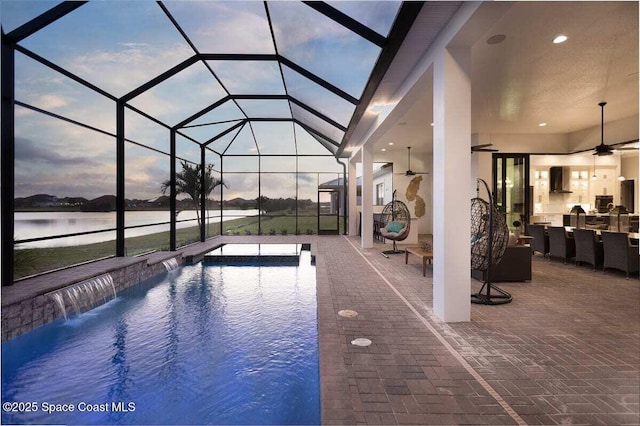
pixel 526 79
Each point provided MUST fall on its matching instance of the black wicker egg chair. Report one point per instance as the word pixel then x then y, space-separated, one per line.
pixel 489 238
pixel 396 223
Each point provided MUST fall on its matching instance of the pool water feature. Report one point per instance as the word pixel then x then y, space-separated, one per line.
pixel 212 344
pixel 83 296
pixel 170 264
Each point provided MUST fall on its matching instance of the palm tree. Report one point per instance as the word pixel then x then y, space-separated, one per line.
pixel 188 182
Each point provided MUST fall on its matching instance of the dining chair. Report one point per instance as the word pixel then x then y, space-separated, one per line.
pixel 540 242
pixel 619 253
pixel 588 247
pixel 560 244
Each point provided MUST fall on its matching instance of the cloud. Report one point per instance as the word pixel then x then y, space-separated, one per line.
pixel 249 77
pixel 39 169
pixel 30 152
pixel 182 95
pixel 121 71
pixel 49 102
pixel 243 31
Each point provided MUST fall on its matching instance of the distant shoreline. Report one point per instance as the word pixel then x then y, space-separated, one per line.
pixel 78 209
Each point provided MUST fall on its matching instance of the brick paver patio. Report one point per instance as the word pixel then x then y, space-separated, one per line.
pixel 565 351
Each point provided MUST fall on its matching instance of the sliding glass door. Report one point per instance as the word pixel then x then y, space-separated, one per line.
pixel 511 187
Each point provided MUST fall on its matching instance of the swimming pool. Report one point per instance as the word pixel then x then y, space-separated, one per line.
pixel 202 344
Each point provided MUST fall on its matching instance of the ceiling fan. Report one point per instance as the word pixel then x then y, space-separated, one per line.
pixel 410 172
pixel 602 149
pixel 483 148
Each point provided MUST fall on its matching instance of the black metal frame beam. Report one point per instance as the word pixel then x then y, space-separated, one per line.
pixel 7 129
pixel 183 123
pixel 62 118
pixel 177 26
pixel 64 72
pixel 317 133
pixel 238 57
pixel 324 83
pixel 44 19
pixel 229 130
pixel 160 78
pixel 160 123
pixel 202 112
pixel 120 180
pixel 203 195
pixel 347 22
pixel 87 126
pixel 173 208
pixel 404 20
pixel 317 113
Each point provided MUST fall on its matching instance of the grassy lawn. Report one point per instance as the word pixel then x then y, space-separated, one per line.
pixel 36 260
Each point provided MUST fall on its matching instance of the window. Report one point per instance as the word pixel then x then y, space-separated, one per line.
pixel 380 194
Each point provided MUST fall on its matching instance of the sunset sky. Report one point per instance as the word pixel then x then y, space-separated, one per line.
pixel 119 45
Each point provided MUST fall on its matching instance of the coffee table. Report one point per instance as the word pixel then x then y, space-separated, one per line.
pixel 425 255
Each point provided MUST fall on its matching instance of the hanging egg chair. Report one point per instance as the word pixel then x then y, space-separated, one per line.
pixel 396 223
pixel 489 238
pixel 481 257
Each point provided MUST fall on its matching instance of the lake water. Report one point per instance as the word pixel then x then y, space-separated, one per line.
pixel 43 224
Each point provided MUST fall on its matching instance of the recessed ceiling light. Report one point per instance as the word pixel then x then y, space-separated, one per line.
pixel 383 149
pixel 560 39
pixel 390 143
pixel 496 39
pixel 431 124
pixel 542 124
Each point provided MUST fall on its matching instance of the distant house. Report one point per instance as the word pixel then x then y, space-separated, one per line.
pixel 382 186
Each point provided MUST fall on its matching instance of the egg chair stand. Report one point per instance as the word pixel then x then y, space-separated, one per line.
pixel 396 223
pixel 489 237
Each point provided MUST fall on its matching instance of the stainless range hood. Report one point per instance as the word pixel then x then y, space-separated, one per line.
pixel 559 180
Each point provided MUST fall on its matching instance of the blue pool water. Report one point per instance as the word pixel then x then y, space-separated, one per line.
pixel 200 345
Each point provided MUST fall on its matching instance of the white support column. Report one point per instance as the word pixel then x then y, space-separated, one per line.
pixel 451 177
pixel 366 240
pixel 353 197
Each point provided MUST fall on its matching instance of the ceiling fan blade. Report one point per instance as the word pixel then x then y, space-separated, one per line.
pixel 622 144
pixel 484 150
pixel 479 147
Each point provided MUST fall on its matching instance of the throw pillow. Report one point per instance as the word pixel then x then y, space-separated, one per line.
pixel 475 237
pixel 395 227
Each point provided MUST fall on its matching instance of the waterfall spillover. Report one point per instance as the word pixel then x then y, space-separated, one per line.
pixel 170 264
pixel 85 295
